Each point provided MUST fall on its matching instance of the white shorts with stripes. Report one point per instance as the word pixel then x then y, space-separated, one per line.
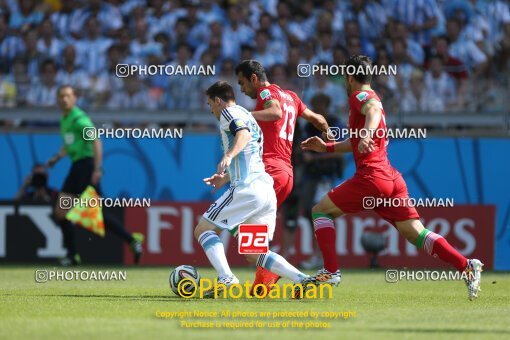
pixel 253 203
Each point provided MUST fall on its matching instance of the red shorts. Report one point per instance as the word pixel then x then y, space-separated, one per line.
pixel 283 181
pixel 355 195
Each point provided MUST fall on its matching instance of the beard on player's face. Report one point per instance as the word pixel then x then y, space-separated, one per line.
pixel 248 87
pixel 252 93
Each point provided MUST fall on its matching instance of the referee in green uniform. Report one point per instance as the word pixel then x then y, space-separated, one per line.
pixel 86 169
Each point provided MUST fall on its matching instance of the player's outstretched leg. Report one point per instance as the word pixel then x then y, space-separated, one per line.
pixel 323 214
pixel 205 233
pixel 265 277
pixel 437 246
pixel 280 266
pixel 275 263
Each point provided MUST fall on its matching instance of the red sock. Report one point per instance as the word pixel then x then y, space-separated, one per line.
pixel 437 246
pixel 325 233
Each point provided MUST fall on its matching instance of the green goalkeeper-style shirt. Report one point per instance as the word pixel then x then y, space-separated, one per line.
pixel 71 129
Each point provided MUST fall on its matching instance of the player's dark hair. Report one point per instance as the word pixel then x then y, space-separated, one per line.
pixel 222 90
pixel 249 67
pixel 65 86
pixel 357 61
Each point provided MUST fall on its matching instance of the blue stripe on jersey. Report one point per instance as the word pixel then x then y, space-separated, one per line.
pixel 247 165
pixel 226 114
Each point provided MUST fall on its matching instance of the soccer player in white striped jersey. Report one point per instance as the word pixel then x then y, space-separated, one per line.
pixel 250 199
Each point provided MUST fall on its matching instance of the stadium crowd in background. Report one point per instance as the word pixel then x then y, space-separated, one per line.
pixel 446 51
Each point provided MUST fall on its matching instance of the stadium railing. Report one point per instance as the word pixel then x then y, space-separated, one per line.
pixel 491 123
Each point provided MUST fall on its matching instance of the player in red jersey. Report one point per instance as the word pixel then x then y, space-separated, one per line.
pixel 276 113
pixel 374 178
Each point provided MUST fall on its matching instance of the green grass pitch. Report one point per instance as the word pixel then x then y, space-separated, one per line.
pixel 127 309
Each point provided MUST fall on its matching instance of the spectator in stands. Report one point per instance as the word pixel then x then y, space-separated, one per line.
pixel 180 33
pixel 198 29
pixel 369 16
pixel 402 60
pixel 414 98
pixel 21 80
pixel 324 50
pixel 35 189
pixel 247 52
pixel 491 17
pixel 340 55
pixel 159 19
pixel 48 45
pixel 143 45
pixel 322 84
pixel 27 14
pixel 43 92
pixel 92 49
pixel 108 18
pixel 266 53
pixel 308 51
pixel 337 19
pixel 7 91
pixel 166 46
pixel 10 46
pixel 453 66
pixel 30 52
pixel 182 89
pixel 227 74
pixel 503 54
pixel 235 34
pixel 63 19
pixel 293 60
pixel 386 84
pixel 210 12
pixel 420 17
pixel 104 84
pixel 278 75
pixel 133 96
pixel 72 75
pixel 355 43
pixel 465 50
pixel 415 53
pixel 440 87
pixel 475 51
pixel 214 49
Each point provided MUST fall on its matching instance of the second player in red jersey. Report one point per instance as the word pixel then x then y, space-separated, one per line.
pixel 276 113
pixel 375 180
pixel 278 137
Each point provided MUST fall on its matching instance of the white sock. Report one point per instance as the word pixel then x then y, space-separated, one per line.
pixel 215 252
pixel 278 265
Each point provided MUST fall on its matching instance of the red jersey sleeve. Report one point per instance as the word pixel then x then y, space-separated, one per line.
pixel 300 106
pixel 264 96
pixel 359 99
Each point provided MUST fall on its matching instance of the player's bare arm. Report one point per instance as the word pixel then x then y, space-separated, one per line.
pixel 272 111
pixel 372 111
pixel 316 120
pixel 241 139
pixel 318 145
pixel 58 156
pixel 98 161
pixel 217 181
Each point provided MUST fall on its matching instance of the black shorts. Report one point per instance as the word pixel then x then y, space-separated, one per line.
pixel 79 177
